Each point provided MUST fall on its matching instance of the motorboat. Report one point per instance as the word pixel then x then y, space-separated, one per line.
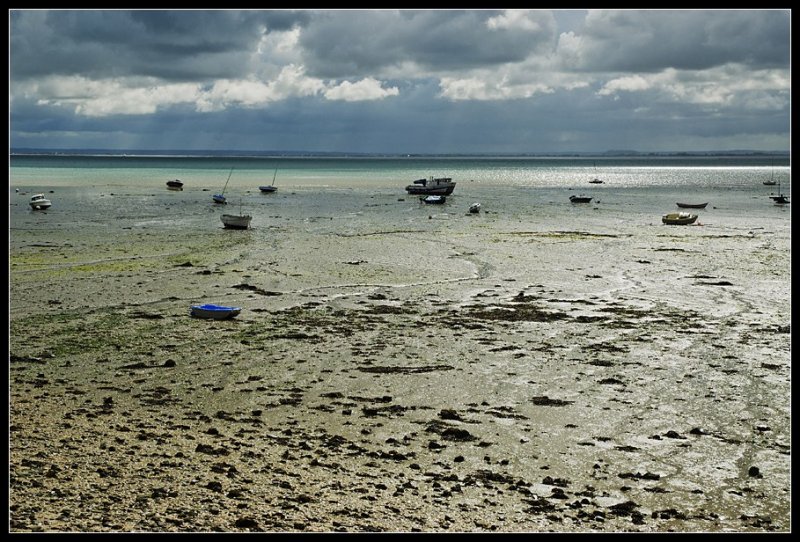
pixel 39 202
pixel 236 222
pixel 441 186
pixel 682 218
pixel 580 199
pixel 214 312
pixel 692 205
pixel 436 200
pixel 175 185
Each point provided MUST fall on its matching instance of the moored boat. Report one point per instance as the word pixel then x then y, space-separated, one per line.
pixel 236 222
pixel 475 208
pixel 580 199
pixel 175 185
pixel 692 205
pixel 39 202
pixel 434 199
pixel 441 186
pixel 679 219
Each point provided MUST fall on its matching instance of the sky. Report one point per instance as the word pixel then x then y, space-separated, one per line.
pixel 401 81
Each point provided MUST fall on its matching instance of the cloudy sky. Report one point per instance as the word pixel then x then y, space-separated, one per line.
pixel 401 81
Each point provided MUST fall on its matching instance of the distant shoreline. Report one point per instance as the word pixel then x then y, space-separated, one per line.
pixel 175 153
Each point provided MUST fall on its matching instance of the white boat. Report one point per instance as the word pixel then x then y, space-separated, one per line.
pixel 442 186
pixel 215 312
pixel 436 200
pixel 39 202
pixel 475 208
pixel 681 218
pixel 236 222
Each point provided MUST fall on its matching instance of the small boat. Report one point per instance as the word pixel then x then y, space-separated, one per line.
pixel 692 205
pixel 236 222
pixel 220 198
pixel 267 188
pixel 442 186
pixel 175 185
pixel 580 199
pixel 436 200
pixel 771 181
pixel 39 202
pixel 475 208
pixel 780 199
pixel 596 181
pixel 679 219
pixel 215 312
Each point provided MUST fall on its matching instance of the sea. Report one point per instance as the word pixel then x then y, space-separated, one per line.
pixel 126 189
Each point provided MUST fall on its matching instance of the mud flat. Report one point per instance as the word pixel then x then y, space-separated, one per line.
pixel 456 374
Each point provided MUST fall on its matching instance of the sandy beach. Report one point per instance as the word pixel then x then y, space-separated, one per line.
pixel 440 372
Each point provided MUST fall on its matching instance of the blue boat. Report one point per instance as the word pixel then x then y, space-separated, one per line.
pixel 220 198
pixel 215 312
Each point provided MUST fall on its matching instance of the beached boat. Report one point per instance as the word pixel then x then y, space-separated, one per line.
pixel 692 205
pixel 780 198
pixel 220 198
pixel 679 219
pixel 596 179
pixel 475 208
pixel 215 312
pixel 236 222
pixel 39 202
pixel 435 200
pixel 442 186
pixel 175 185
pixel 580 199
pixel 268 188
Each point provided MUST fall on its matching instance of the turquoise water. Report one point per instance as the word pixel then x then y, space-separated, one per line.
pixel 367 191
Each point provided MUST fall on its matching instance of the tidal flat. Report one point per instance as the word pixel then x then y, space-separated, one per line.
pixel 436 373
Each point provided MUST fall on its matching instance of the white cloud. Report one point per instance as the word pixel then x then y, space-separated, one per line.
pixel 521 19
pixel 366 89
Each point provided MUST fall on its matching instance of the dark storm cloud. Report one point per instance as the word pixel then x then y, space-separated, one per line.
pixel 650 41
pixel 172 45
pixel 344 43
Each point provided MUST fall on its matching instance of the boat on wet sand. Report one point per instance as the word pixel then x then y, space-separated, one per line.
pixel 692 205
pixel 39 202
pixel 214 312
pixel 679 219
pixel 441 186
pixel 580 199
pixel 174 185
pixel 435 200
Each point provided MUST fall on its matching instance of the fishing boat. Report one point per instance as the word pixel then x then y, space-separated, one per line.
pixel 39 202
pixel 174 185
pixel 475 208
pixel 441 186
pixel 214 312
pixel 681 218
pixel 220 198
pixel 692 205
pixel 268 188
pixel 580 199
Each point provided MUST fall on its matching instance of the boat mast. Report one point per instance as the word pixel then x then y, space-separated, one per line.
pixel 273 177
pixel 226 182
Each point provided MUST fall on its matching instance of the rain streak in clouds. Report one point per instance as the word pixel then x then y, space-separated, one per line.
pixel 401 81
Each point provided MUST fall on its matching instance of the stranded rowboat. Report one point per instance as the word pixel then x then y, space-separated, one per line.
pixel 678 219
pixel 214 312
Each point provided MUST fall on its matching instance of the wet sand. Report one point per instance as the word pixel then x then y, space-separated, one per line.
pixel 453 373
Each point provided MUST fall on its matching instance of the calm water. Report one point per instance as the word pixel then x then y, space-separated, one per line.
pixel 131 191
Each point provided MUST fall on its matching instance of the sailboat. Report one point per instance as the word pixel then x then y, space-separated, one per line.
pixel 771 181
pixel 220 198
pixel 596 179
pixel 236 222
pixel 780 198
pixel 267 188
